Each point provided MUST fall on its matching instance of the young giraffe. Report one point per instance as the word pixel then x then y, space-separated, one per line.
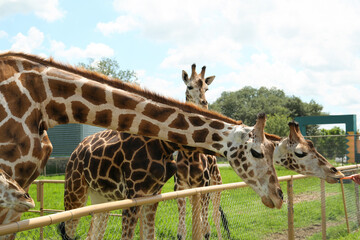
pixel 196 169
pixel 36 94
pixel 12 196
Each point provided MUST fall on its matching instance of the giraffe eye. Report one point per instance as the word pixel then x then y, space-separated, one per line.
pixel 256 154
pixel 190 87
pixel 300 155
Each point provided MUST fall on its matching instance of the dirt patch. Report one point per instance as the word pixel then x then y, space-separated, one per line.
pixel 310 196
pixel 300 233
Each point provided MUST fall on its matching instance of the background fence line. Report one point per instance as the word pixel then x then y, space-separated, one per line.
pixel 51 219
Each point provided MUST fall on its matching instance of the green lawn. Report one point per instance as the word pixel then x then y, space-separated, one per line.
pixel 248 217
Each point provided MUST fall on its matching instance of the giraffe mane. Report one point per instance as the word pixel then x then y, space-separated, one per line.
pixel 133 88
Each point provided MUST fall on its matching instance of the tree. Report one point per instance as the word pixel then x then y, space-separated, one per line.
pixel 278 124
pixel 247 102
pixel 111 68
pixel 333 145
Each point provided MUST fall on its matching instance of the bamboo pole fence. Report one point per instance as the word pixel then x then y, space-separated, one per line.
pixel 195 193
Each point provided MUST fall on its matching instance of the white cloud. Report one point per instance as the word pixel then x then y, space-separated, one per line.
pixel 120 25
pixel 48 10
pixel 27 43
pixel 92 50
pixel 219 50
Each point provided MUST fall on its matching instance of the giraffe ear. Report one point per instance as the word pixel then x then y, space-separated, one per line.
pixel 209 80
pixel 185 77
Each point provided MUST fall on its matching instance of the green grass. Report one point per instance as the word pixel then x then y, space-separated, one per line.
pixel 248 217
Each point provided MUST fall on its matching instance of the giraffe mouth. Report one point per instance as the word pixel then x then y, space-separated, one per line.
pixel 274 200
pixel 334 179
pixel 24 206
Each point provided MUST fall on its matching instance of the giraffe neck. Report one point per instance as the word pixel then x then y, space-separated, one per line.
pixel 69 95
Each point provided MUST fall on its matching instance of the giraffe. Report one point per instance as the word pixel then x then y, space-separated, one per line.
pixel 297 154
pixel 196 169
pixel 37 94
pixel 12 196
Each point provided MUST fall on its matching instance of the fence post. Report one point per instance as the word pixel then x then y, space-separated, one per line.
pixel 290 193
pixel 344 202
pixel 356 186
pixel 196 218
pixel 40 198
pixel 323 208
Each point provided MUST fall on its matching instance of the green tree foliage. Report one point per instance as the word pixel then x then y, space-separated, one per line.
pixel 111 68
pixel 278 124
pixel 247 102
pixel 333 145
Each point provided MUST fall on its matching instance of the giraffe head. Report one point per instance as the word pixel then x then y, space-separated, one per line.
pixel 196 86
pixel 252 160
pixel 297 154
pixel 12 195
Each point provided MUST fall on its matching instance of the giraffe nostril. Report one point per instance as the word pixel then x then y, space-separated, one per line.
pixel 280 193
pixel 204 102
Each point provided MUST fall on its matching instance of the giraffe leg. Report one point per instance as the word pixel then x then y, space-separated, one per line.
pixel 148 212
pixel 182 214
pixel 72 201
pixel 216 198
pixel 205 199
pixel 129 219
pixel 98 226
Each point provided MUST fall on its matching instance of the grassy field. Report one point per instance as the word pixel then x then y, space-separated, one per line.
pixel 248 218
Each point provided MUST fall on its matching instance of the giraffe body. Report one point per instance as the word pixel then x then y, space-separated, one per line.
pixel 37 94
pixel 112 165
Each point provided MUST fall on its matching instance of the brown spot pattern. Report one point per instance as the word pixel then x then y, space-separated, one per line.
pixel 125 122
pixel 56 111
pixel 196 121
pixel 125 102
pixel 8 68
pixel 33 121
pixel 147 128
pixel 217 146
pixel 17 101
pixel 94 93
pixel 103 118
pixel 217 125
pixel 179 122
pixel 33 66
pixel 24 170
pixel 200 135
pixel 156 112
pixel 3 113
pixel 34 84
pixel 61 89
pixel 177 137
pixel 80 111
pixel 19 143
pixel 216 137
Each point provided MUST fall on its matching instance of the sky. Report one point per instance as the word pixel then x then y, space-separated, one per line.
pixel 309 48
